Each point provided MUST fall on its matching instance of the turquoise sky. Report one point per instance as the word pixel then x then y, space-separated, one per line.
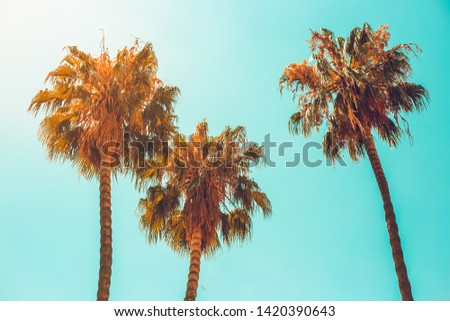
pixel 327 239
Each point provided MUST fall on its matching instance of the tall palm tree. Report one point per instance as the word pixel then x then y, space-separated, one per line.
pixel 92 101
pixel 206 198
pixel 358 85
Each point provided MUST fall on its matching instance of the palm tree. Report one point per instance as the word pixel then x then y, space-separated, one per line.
pixel 358 85
pixel 92 101
pixel 206 197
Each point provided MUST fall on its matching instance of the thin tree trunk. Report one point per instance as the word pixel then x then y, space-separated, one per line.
pixel 104 274
pixel 194 268
pixel 394 237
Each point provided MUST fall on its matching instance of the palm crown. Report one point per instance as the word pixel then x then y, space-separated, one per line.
pixel 94 100
pixel 207 186
pixel 356 84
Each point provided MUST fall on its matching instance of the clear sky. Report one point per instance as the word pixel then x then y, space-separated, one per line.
pixel 327 238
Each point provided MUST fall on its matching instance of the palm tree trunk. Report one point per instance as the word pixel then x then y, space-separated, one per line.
pixel 394 237
pixel 194 268
pixel 104 274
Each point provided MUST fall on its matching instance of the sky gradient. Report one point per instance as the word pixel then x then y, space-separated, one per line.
pixel 327 238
